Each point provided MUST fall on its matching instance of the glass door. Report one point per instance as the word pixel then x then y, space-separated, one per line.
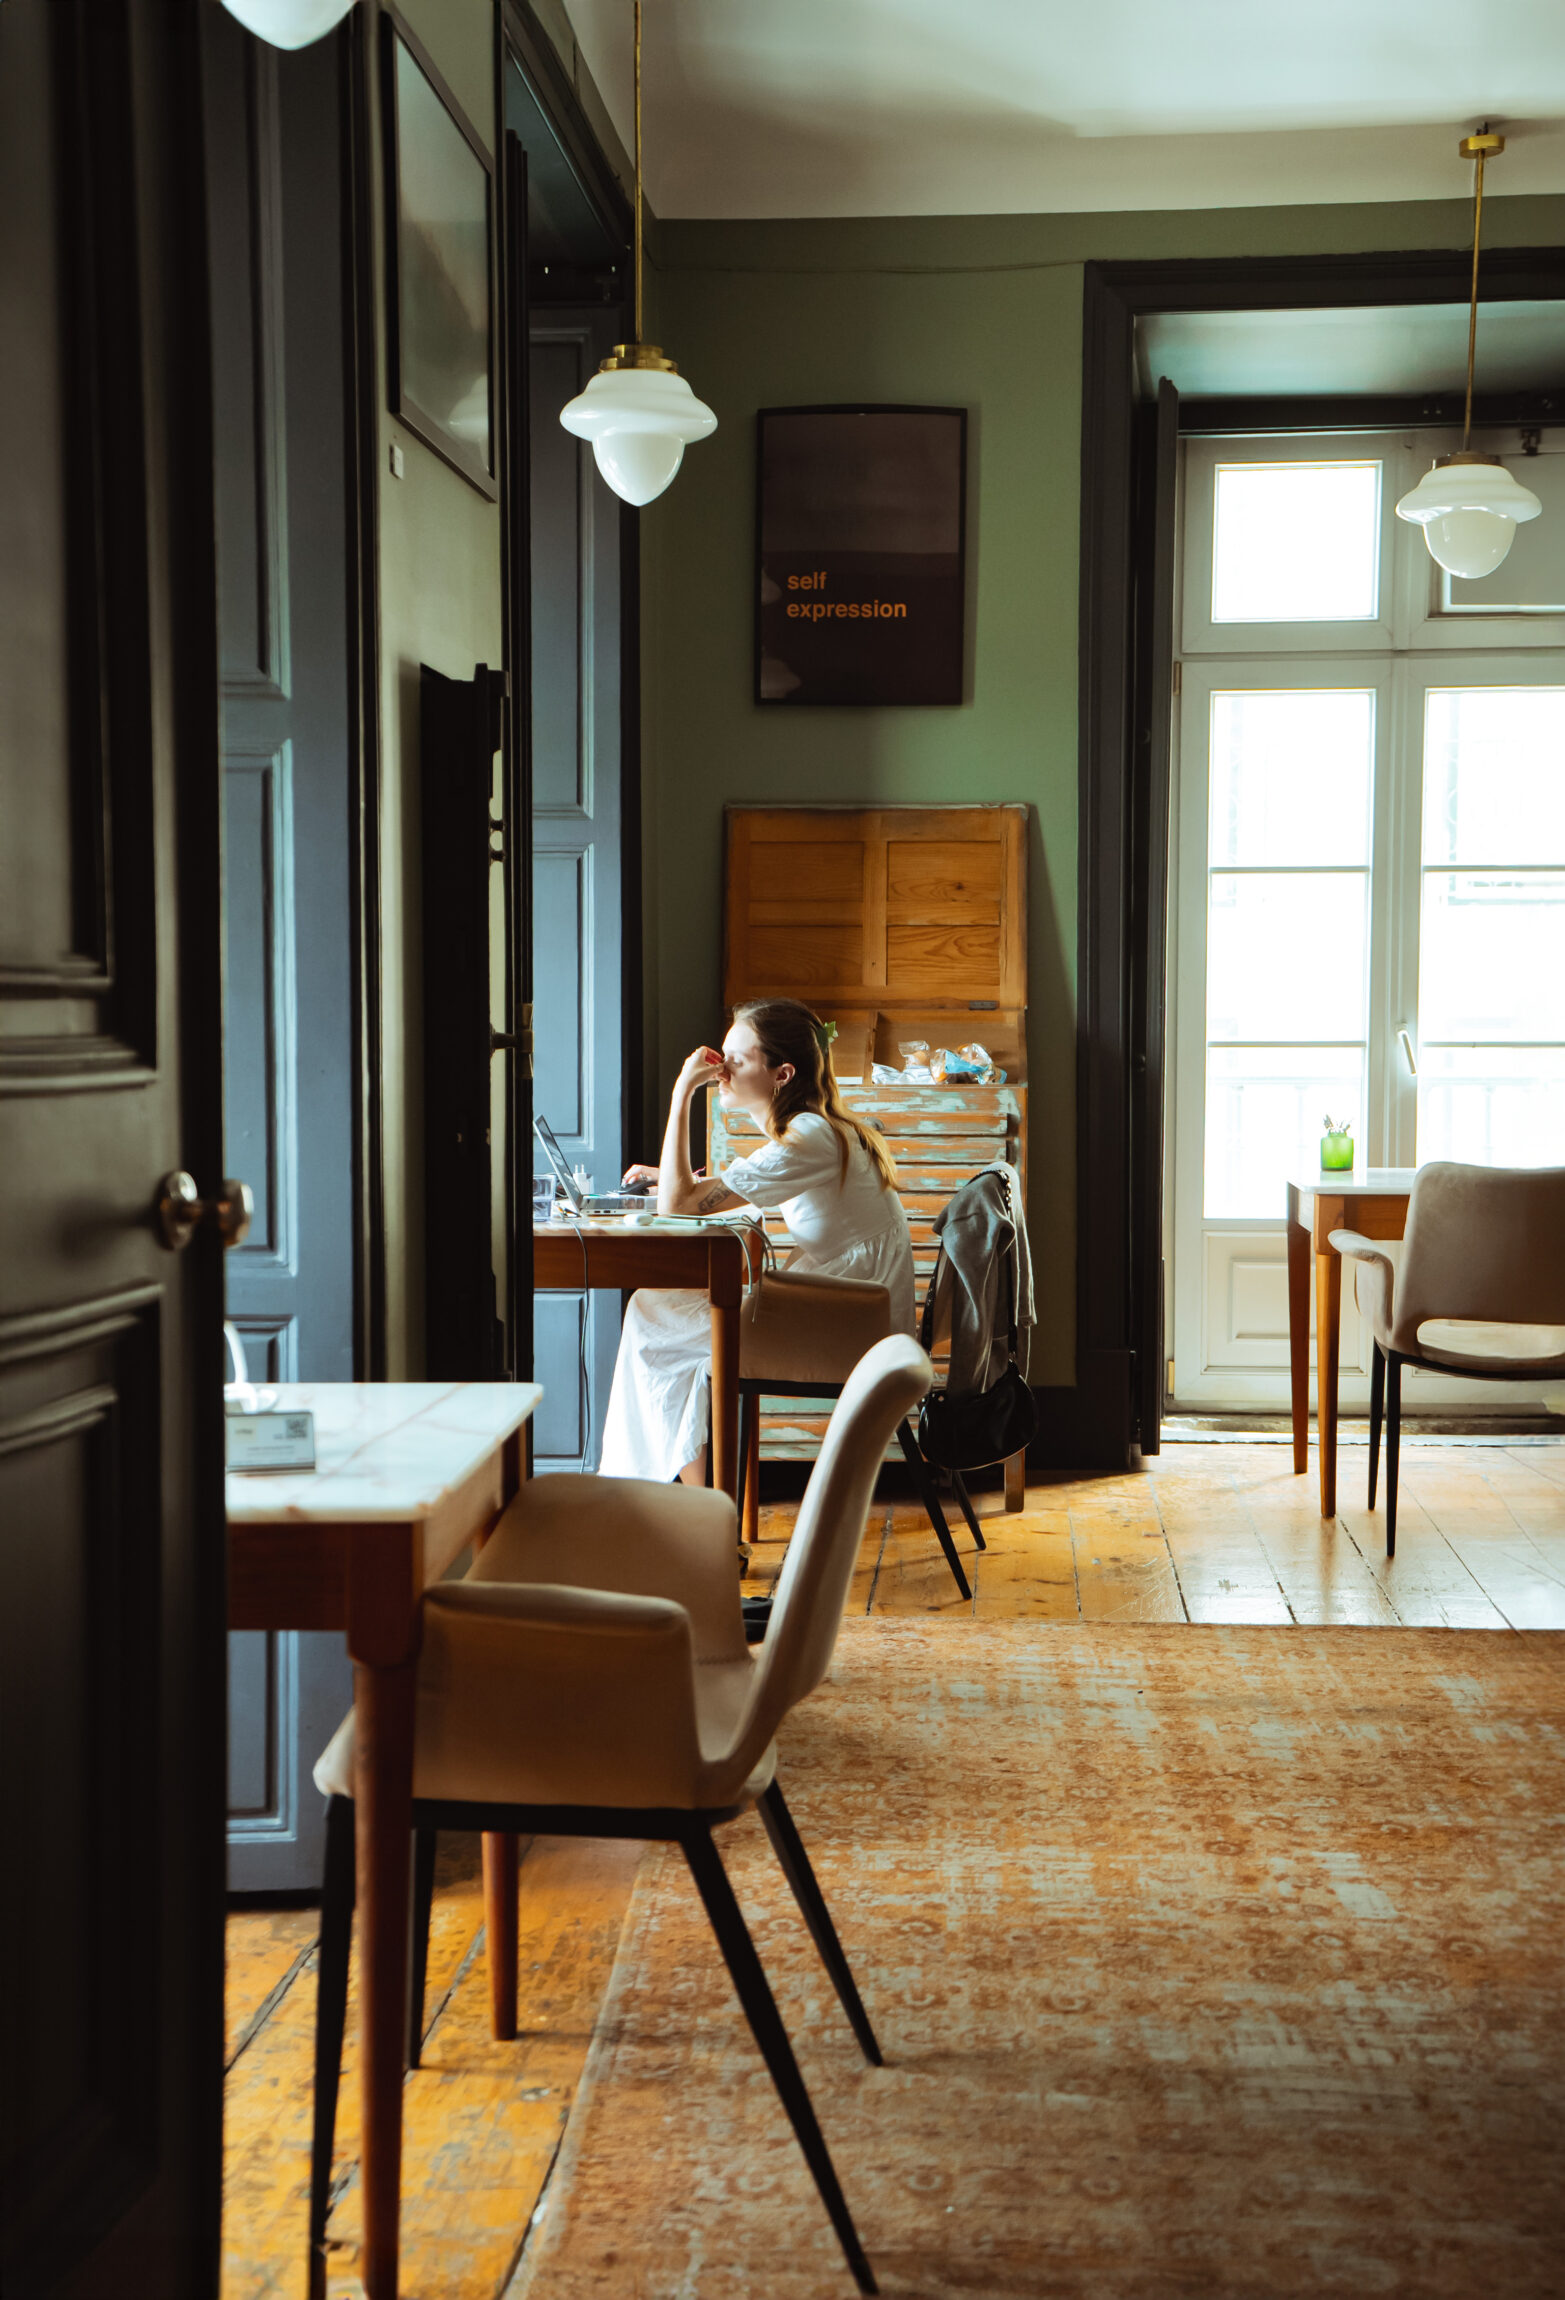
pixel 1369 900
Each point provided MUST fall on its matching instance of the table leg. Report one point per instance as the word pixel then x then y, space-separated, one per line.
pixel 1299 1341
pixel 724 1288
pixel 1016 1482
pixel 501 1877
pixel 383 1804
pixel 1328 1335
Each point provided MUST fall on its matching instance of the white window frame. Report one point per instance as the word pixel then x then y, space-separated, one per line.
pixel 1419 647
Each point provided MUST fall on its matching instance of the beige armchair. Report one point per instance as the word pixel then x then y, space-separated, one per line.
pixel 800 1336
pixel 1480 1291
pixel 591 1678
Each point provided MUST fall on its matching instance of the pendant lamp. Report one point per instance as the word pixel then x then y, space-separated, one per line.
pixel 638 411
pixel 1468 505
pixel 288 23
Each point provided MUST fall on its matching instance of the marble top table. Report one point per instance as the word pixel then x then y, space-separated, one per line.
pixel 1373 1201
pixel 407 1474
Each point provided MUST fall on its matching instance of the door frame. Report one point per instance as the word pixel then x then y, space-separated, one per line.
pixel 521 39
pixel 1122 878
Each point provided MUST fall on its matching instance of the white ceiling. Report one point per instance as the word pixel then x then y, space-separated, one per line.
pixel 1397 350
pixel 978 107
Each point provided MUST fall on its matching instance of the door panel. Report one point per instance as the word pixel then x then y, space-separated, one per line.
pixel 577 907
pixel 111 1570
pixel 281 481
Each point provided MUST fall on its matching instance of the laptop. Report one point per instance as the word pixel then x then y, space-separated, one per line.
pixel 585 1202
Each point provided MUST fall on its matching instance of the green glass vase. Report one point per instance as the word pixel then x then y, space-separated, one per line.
pixel 1336 1153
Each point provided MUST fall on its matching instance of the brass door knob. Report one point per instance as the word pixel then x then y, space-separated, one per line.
pixel 182 1210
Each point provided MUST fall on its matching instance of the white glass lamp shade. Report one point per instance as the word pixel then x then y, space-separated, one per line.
pixel 1469 513
pixel 639 420
pixel 288 23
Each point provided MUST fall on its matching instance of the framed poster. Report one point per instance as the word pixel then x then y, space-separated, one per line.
pixel 859 554
pixel 439 250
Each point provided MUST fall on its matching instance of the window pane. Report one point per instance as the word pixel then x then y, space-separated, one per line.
pixel 1492 957
pixel 1296 543
pixel 1492 1105
pixel 1287 956
pixel 1494 775
pixel 1291 776
pixel 1264 1107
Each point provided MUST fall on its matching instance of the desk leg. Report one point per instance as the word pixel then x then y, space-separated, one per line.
pixel 724 1284
pixel 1299 1341
pixel 1328 1336
pixel 383 1805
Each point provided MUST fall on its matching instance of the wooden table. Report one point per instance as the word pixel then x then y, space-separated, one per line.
pixel 1372 1201
pixel 711 1260
pixel 407 1474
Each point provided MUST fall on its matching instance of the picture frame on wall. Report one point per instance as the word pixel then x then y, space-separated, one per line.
pixel 860 579
pixel 440 262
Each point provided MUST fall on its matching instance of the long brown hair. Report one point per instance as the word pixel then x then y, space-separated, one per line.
pixel 788 1031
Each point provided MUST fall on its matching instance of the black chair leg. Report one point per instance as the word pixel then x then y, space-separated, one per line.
pixel 794 1862
pixel 749 1407
pixel 964 1502
pixel 1393 1445
pixel 926 1486
pixel 331 2012
pixel 424 1843
pixel 760 2010
pixel 1377 1402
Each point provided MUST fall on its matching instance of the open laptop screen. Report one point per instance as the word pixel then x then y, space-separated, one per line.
pixel 556 1157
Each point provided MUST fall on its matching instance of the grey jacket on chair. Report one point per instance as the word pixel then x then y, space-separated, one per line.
pixel 982 1286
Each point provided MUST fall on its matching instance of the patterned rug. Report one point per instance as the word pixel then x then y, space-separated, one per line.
pixel 1205 1961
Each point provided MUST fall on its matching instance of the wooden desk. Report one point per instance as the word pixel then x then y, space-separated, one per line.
pixel 1372 1201
pixel 568 1255
pixel 407 1474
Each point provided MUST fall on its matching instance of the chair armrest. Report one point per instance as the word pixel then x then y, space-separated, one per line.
pixel 1355 1248
pixel 1374 1285
pixel 629 1536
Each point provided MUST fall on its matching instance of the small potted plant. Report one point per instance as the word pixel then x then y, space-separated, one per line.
pixel 1336 1146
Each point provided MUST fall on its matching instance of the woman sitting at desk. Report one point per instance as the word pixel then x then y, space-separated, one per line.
pixel 831 1179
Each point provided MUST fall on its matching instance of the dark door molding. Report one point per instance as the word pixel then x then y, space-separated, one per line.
pixel 1123 818
pixel 361 399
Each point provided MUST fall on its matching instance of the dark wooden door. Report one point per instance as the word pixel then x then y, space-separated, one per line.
pixel 111 1497
pixel 274 176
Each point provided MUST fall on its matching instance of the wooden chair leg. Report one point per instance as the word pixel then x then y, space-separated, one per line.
pixel 1015 1482
pixel 1377 1403
pixel 760 2010
pixel 794 1862
pixel 501 1875
pixel 331 2011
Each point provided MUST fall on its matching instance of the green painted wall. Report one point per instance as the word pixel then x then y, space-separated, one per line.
pixel 970 310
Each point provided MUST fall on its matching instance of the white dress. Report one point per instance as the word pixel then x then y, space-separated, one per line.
pixel 842 1226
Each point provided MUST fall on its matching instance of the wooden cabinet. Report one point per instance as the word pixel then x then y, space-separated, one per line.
pixel 897 924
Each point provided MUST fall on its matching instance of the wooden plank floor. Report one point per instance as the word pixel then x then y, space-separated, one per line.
pixel 1220 1532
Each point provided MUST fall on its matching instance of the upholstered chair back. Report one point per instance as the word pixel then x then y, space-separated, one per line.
pixel 1482 1242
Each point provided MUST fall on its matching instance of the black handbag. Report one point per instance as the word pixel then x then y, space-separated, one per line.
pixel 978 1427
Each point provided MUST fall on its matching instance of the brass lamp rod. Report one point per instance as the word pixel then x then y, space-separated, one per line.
pixel 1479 148
pixel 638 210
